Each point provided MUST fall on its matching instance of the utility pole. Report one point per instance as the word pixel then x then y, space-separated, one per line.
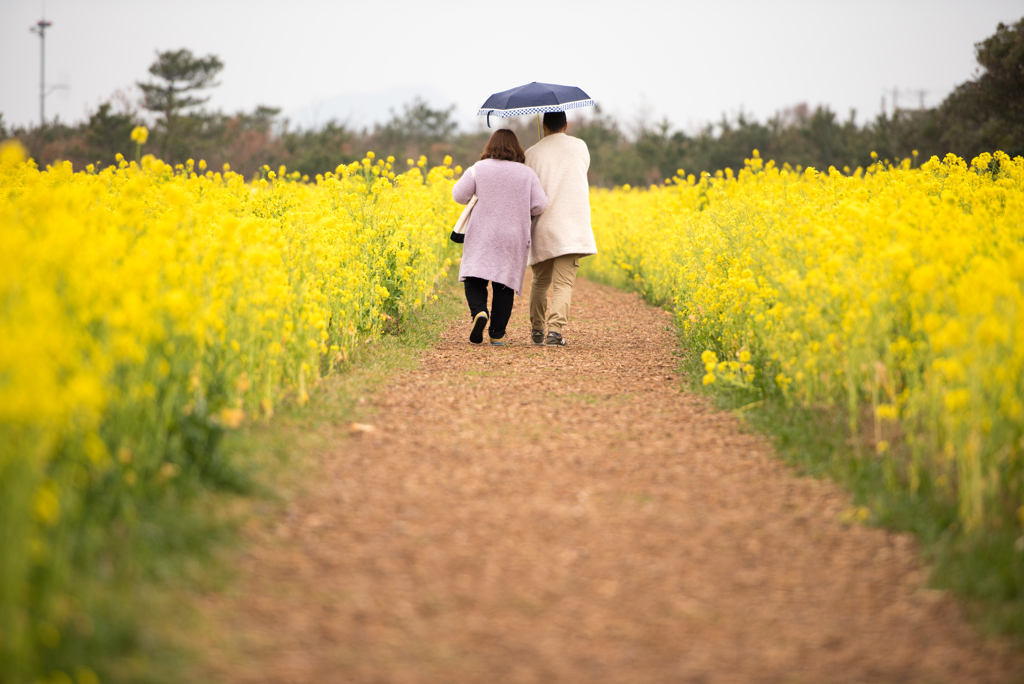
pixel 40 30
pixel 895 93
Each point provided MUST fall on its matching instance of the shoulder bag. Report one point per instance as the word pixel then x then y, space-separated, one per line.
pixel 459 232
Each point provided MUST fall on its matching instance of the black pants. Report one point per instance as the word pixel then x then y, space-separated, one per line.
pixel 501 304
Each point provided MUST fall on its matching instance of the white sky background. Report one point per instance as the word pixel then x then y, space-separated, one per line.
pixel 688 61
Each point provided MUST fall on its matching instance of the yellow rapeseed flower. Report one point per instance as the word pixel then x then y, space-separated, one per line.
pixel 12 153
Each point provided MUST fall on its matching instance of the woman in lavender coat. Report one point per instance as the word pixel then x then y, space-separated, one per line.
pixel 497 242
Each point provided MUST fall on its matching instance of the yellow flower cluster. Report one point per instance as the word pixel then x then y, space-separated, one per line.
pixel 144 306
pixel 140 134
pixel 891 288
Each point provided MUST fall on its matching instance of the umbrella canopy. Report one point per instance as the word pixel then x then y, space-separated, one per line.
pixel 534 98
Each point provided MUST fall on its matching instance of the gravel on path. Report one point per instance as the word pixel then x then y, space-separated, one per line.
pixel 523 514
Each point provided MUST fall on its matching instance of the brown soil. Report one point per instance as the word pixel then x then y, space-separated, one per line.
pixel 525 514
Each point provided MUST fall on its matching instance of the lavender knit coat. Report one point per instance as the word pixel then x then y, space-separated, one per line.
pixel 497 242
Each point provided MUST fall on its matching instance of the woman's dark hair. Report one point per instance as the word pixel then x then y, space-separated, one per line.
pixel 504 145
pixel 554 121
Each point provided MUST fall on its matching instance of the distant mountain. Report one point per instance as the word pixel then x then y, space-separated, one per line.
pixel 362 110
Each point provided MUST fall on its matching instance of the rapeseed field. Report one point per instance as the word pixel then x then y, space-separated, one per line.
pixel 893 293
pixel 145 309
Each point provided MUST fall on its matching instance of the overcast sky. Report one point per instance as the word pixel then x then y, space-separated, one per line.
pixel 688 61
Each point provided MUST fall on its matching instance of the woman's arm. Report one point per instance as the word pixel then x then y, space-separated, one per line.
pixel 538 200
pixel 464 190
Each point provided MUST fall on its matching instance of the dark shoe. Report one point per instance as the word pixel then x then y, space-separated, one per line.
pixel 479 323
pixel 554 340
pixel 537 337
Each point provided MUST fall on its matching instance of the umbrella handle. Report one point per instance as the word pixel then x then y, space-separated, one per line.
pixel 489 118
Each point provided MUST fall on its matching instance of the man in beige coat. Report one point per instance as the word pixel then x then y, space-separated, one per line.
pixel 562 234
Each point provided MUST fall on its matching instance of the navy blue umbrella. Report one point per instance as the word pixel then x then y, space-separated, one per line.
pixel 534 98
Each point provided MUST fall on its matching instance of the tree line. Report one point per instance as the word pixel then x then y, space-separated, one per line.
pixel 983 114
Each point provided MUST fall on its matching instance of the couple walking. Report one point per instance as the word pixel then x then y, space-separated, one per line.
pixel 533 209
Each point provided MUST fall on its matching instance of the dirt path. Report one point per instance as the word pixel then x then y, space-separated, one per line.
pixel 524 514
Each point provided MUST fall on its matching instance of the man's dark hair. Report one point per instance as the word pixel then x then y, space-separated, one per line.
pixel 554 121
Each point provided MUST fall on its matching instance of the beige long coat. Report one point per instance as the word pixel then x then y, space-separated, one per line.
pixel 561 162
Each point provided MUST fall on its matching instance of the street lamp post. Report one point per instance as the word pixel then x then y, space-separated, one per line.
pixel 40 30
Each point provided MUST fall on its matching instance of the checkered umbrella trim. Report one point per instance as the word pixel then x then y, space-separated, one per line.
pixel 506 113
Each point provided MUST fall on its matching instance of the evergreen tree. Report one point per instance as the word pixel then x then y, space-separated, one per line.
pixel 180 76
pixel 987 113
